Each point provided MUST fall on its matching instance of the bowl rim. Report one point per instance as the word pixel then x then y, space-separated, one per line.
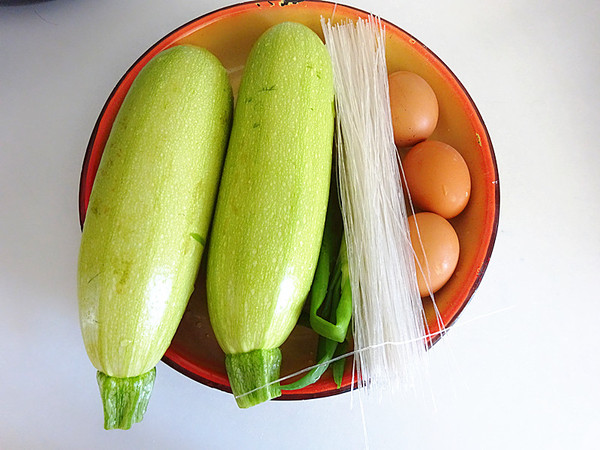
pixel 196 373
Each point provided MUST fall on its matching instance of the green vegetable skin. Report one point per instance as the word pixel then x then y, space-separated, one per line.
pixel 148 215
pixel 271 208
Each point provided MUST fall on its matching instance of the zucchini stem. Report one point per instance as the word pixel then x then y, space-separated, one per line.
pixel 252 376
pixel 125 399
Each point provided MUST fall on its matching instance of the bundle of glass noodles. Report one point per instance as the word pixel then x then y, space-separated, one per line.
pixel 388 317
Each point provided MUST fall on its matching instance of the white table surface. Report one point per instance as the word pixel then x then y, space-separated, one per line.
pixel 519 370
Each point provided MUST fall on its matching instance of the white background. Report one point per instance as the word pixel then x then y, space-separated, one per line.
pixel 519 370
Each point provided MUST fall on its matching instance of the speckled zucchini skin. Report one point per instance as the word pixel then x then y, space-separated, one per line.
pixel 150 209
pixel 274 191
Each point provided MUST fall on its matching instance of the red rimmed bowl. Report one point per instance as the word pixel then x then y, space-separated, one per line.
pixel 229 33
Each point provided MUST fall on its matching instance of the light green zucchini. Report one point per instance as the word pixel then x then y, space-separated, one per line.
pixel 271 207
pixel 147 221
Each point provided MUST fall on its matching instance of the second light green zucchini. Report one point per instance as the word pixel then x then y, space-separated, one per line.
pixel 271 207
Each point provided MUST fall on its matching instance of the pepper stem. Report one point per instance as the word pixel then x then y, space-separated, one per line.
pixel 125 399
pixel 252 376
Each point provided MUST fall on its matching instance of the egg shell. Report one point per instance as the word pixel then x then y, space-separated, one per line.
pixel 414 108
pixel 436 249
pixel 438 178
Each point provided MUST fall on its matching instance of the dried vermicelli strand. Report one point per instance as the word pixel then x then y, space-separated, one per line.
pixel 389 331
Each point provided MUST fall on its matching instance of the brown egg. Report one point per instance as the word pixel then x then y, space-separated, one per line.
pixel 414 108
pixel 438 178
pixel 436 250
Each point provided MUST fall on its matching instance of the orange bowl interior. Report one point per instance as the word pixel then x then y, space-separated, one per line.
pixel 229 34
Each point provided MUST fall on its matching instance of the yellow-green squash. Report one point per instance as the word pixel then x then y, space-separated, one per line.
pixel 147 221
pixel 271 206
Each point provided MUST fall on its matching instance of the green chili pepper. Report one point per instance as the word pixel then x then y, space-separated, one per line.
pixel 338 366
pixel 332 236
pixel 339 304
pixel 343 315
pixel 327 349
